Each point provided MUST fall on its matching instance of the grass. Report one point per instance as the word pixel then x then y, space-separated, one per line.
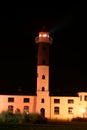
pixel 60 126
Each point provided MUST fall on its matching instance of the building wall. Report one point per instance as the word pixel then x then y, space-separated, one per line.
pixel 67 108
pixel 18 103
pixel 79 105
pixel 83 104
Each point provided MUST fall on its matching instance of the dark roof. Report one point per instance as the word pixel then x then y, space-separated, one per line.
pixel 64 94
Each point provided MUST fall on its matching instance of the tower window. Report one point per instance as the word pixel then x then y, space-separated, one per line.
pixel 43 76
pixel 10 99
pixel 26 100
pixel 43 48
pixel 70 101
pixel 43 89
pixel 56 100
pixel 56 110
pixel 42 100
pixel 43 62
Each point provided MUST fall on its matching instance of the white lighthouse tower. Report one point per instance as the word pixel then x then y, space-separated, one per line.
pixel 43 99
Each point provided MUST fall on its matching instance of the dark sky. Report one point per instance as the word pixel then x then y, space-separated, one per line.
pixel 68 53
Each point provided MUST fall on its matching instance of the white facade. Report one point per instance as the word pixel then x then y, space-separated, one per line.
pixel 52 107
pixel 55 107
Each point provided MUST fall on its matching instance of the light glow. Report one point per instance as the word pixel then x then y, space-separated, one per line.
pixel 83 110
pixel 43 34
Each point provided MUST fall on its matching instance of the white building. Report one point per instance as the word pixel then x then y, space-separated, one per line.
pixel 52 107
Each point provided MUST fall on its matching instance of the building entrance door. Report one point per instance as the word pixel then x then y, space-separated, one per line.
pixel 42 111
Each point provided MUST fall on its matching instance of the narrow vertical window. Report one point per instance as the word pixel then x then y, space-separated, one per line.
pixel 44 62
pixel 43 48
pixel 43 89
pixel 42 100
pixel 43 76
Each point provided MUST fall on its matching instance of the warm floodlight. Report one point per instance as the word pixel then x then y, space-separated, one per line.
pixel 83 110
pixel 43 34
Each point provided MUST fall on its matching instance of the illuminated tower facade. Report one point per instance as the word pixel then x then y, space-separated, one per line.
pixel 43 99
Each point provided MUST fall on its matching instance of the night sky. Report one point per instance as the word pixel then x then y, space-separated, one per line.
pixel 68 53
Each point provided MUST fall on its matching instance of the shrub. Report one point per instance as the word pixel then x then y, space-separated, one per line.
pixel 32 118
pixel 25 118
pixel 36 118
pixel 7 116
pixel 79 119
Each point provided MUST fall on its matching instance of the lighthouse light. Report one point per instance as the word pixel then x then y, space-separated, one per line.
pixel 43 34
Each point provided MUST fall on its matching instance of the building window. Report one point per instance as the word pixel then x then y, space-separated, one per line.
pixel 43 76
pixel 80 98
pixel 26 100
pixel 43 89
pixel 70 110
pixel 26 109
pixel 56 100
pixel 10 99
pixel 85 98
pixel 70 101
pixel 56 110
pixel 44 62
pixel 42 100
pixel 10 108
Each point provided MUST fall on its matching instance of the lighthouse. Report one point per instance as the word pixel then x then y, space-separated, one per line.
pixel 43 42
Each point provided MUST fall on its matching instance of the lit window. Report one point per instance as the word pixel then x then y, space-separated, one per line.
pixel 56 100
pixel 26 100
pixel 42 100
pixel 44 35
pixel 70 110
pixel 10 99
pixel 43 89
pixel 26 109
pixel 85 98
pixel 56 110
pixel 43 76
pixel 10 108
pixel 70 101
